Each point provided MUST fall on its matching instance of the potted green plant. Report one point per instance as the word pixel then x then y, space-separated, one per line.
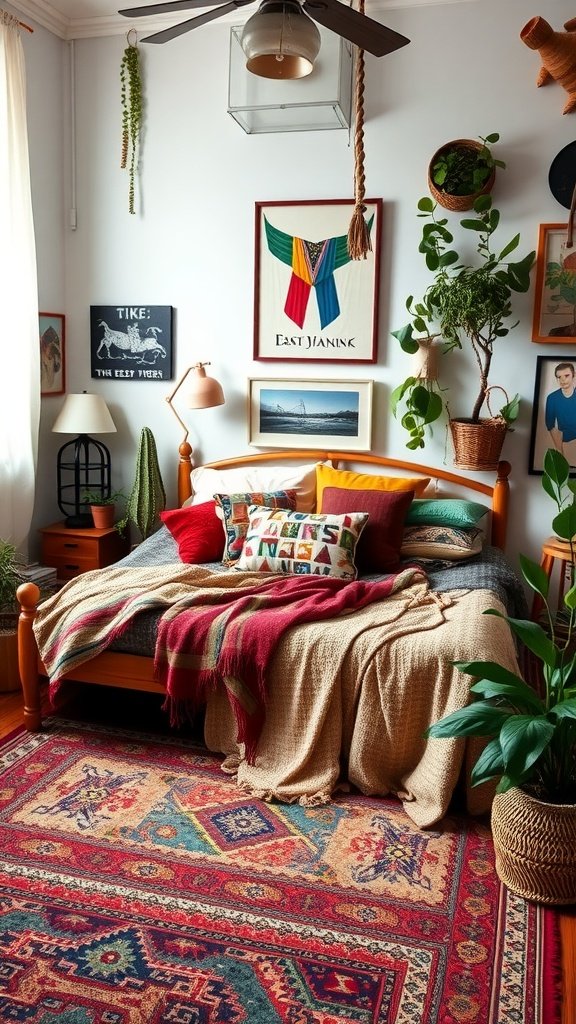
pixel 462 170
pixel 469 303
pixel 532 749
pixel 10 580
pixel 103 507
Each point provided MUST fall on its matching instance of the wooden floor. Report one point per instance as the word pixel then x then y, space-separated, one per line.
pixel 11 718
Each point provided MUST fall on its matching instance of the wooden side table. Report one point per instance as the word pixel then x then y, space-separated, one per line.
pixel 73 551
pixel 553 550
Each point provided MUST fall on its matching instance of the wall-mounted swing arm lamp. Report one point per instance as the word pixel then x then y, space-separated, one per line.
pixel 205 393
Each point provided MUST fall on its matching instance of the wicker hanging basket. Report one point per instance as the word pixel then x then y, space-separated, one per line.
pixel 535 844
pixel 478 445
pixel 446 199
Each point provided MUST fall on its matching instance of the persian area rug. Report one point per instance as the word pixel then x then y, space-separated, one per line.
pixel 138 885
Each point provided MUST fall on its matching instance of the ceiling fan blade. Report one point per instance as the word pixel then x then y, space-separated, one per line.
pixel 186 26
pixel 166 8
pixel 358 28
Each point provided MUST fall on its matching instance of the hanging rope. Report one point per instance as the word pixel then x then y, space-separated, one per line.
pixel 359 243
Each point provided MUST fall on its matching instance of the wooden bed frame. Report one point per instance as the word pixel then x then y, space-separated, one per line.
pixel 136 672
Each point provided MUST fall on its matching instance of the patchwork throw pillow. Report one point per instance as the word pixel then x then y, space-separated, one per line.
pixel 300 544
pixel 235 511
pixel 326 476
pixel 381 539
pixel 445 512
pixel 197 531
pixel 447 542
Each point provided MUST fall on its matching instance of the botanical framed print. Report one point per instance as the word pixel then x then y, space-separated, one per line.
pixel 131 342
pixel 554 410
pixel 52 327
pixel 310 413
pixel 312 302
pixel 555 295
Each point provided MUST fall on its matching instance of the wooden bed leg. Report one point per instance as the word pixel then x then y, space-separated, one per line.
pixel 28 595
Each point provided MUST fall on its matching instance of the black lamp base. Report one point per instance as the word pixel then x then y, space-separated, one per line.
pixel 80 522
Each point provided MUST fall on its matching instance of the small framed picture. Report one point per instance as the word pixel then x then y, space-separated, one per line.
pixel 52 353
pixel 554 410
pixel 555 291
pixel 310 413
pixel 312 302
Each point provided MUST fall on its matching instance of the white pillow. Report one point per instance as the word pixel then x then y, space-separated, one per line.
pixel 206 482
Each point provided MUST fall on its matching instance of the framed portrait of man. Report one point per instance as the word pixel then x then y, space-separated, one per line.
pixel 554 410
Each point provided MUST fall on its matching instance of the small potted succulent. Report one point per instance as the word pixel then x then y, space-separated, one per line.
pixel 462 170
pixel 103 507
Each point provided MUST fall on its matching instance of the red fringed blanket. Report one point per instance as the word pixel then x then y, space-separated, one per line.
pixel 215 627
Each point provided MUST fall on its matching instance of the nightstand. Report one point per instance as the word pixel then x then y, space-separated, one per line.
pixel 553 550
pixel 73 551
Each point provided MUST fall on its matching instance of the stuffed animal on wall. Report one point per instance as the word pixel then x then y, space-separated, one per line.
pixel 558 55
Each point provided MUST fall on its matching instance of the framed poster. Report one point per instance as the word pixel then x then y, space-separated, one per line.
pixel 284 413
pixel 554 410
pixel 52 354
pixel 131 342
pixel 555 295
pixel 312 302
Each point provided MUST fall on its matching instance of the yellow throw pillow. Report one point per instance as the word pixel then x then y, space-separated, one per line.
pixel 326 476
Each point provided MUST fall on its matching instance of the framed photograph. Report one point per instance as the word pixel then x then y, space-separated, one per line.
pixel 312 303
pixel 131 342
pixel 52 354
pixel 555 295
pixel 554 410
pixel 310 413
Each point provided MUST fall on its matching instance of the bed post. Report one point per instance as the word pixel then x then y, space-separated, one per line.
pixel 184 471
pixel 500 503
pixel 28 595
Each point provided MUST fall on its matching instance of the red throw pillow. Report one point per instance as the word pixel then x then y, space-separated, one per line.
pixel 197 531
pixel 379 546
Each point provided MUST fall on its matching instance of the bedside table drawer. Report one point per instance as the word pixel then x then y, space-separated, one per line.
pixel 74 551
pixel 68 568
pixel 74 548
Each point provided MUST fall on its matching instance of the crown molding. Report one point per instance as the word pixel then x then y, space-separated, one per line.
pixel 46 15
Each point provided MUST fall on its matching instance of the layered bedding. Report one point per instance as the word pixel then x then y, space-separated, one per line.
pixel 319 662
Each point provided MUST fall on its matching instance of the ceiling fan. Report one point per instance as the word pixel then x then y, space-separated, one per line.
pixel 358 28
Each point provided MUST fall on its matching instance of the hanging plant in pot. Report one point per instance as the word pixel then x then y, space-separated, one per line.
pixel 462 170
pixel 532 749
pixel 470 304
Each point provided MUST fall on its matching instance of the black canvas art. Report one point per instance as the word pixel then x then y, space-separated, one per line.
pixel 131 342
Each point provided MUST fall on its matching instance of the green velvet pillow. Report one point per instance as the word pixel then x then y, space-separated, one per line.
pixel 455 512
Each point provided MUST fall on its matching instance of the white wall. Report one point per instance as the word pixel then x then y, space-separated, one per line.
pixel 466 73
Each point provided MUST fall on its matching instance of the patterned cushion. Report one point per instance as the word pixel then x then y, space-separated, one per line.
pixel 300 478
pixel 235 511
pixel 326 476
pixel 448 542
pixel 445 512
pixel 379 546
pixel 300 544
pixel 197 531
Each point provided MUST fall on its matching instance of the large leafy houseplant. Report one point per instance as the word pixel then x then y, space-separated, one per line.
pixel 466 303
pixel 533 735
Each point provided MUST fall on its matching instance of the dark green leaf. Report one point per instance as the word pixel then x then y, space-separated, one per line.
pixel 425 204
pixel 523 738
pixel 535 576
pixel 519 694
pixel 473 225
pixel 489 765
pixel 567 709
pixel 513 244
pixel 556 466
pixel 478 719
pixel 406 338
pixel 482 203
pixel 531 634
pixel 564 524
pixel 432 261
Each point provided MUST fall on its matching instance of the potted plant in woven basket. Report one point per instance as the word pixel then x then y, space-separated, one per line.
pixel 462 170
pixel 470 304
pixel 532 749
pixel 10 580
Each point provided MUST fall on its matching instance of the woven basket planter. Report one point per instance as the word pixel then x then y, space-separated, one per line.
pixel 477 446
pixel 446 199
pixel 535 844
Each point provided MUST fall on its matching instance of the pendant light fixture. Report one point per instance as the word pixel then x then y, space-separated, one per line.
pixel 280 40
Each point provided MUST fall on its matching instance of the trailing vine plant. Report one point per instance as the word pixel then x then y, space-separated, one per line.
pixel 131 99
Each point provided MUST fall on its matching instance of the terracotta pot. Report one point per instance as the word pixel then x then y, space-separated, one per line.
pixel 446 199
pixel 535 845
pixel 103 516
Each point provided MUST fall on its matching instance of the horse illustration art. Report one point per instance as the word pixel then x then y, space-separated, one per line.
pixel 130 344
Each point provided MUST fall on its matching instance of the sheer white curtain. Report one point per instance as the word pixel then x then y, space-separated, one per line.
pixel 19 348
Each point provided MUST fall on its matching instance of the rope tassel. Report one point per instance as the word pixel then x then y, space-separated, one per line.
pixel 359 244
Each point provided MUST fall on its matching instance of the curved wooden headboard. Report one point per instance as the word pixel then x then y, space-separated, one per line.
pixel 498 492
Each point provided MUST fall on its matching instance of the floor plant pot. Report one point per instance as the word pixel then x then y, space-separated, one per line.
pixel 478 445
pixel 447 199
pixel 535 845
pixel 9 674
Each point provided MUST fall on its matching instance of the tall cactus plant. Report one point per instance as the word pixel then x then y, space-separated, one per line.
pixel 147 497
